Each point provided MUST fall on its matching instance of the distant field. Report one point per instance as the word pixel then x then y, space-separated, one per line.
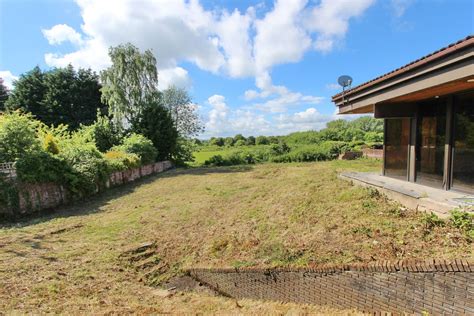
pixel 259 215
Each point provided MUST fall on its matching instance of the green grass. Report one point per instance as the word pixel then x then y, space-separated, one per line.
pixel 262 215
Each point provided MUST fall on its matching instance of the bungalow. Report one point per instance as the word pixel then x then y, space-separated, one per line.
pixel 428 110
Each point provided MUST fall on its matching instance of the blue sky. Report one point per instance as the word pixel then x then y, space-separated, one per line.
pixel 252 67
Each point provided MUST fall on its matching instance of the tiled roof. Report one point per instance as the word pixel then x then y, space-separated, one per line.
pixel 469 40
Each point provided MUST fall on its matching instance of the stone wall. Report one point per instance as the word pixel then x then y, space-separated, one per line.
pixel 40 196
pixel 434 286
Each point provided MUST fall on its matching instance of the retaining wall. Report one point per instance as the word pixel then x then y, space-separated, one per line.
pixel 372 153
pixel 434 286
pixel 40 196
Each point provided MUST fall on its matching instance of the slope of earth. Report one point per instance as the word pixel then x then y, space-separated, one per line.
pixel 264 215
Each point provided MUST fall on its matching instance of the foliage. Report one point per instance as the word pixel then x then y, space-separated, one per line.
pixel 104 133
pixel 41 166
pixel 28 93
pixel 139 145
pixel 183 111
pixel 90 169
pixel 3 95
pixel 130 83
pixel 261 140
pixel 50 145
pixel 184 151
pixel 157 125
pixel 431 220
pixel 323 151
pixel 280 148
pixel 58 96
pixel 218 141
pixel 17 135
pixel 120 161
pixel 250 140
pixel 229 141
pixel 463 221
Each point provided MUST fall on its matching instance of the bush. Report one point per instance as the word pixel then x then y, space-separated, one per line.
pixel 103 132
pixel 17 135
pixel 90 169
pixel 323 151
pixel 50 145
pixel 119 160
pixel 40 166
pixel 184 151
pixel 464 221
pixel 139 145
pixel 261 140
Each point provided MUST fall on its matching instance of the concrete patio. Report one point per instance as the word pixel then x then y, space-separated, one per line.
pixel 413 195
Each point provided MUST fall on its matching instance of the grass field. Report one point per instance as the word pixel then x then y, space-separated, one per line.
pixel 262 215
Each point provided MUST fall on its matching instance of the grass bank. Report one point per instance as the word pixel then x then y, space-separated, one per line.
pixel 261 215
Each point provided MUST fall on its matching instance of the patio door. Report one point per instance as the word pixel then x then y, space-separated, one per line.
pixel 463 144
pixel 397 139
pixel 430 141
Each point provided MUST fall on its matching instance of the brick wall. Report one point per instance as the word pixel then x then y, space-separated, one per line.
pixel 373 153
pixel 40 196
pixel 435 286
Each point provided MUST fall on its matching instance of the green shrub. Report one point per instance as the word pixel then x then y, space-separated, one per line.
pixel 464 221
pixel 90 169
pixel 323 151
pixel 120 161
pixel 139 145
pixel 41 166
pixel 432 220
pixel 17 135
pixel 216 160
pixel 103 133
pixel 50 145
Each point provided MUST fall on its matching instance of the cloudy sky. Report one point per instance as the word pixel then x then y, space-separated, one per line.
pixel 253 67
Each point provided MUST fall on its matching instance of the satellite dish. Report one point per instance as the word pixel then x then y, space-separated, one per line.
pixel 344 81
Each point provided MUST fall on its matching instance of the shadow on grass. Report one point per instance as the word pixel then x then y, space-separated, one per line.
pixel 95 203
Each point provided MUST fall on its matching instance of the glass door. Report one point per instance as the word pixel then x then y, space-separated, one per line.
pixel 397 138
pixel 431 134
pixel 463 145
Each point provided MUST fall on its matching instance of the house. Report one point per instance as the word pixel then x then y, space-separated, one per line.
pixel 428 110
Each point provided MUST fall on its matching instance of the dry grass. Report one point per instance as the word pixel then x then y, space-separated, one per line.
pixel 285 214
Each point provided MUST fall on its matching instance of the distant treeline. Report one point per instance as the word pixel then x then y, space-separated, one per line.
pixel 362 130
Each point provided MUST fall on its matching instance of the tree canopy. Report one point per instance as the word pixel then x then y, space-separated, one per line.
pixel 58 96
pixel 3 95
pixel 130 84
pixel 183 111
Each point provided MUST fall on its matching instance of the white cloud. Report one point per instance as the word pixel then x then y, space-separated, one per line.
pixel 310 119
pixel 330 20
pixel 399 7
pixel 223 121
pixel 8 78
pixel 176 76
pixel 280 36
pixel 333 86
pixel 61 33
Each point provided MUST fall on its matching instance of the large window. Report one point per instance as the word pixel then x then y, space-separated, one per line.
pixel 396 147
pixel 463 153
pixel 431 132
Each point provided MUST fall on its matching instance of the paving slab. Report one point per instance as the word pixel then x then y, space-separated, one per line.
pixel 413 195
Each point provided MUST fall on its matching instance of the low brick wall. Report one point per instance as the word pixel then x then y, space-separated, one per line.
pixel 350 155
pixel 372 153
pixel 40 196
pixel 434 286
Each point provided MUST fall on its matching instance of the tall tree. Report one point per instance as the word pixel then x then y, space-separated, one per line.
pixel 59 96
pixel 183 111
pixel 157 125
pixel 130 84
pixel 28 92
pixel 3 95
